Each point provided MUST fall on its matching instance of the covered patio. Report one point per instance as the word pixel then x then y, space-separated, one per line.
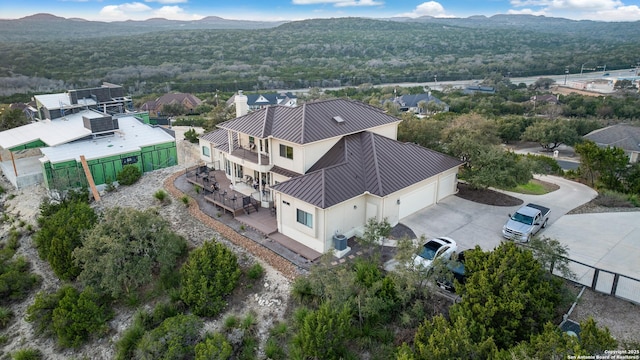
pixel 251 215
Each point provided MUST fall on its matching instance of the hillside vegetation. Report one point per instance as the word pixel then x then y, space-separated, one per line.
pixel 310 53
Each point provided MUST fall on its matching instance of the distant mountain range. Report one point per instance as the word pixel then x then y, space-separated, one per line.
pixel 50 27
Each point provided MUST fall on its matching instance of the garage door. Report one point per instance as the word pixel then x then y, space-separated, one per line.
pixel 446 186
pixel 417 200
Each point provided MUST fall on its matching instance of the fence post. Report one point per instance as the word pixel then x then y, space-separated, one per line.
pixel 596 272
pixel 614 287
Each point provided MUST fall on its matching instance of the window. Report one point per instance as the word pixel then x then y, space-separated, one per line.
pixel 206 151
pixel 286 151
pixel 304 218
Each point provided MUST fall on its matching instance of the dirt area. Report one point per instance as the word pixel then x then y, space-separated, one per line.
pixel 268 300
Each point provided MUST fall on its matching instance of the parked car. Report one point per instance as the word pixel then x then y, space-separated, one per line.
pixel 457 268
pixel 440 247
pixel 526 222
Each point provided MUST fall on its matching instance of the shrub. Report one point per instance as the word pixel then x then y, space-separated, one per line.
pixel 255 272
pixel 613 199
pixel 61 233
pixel 185 200
pixel 173 339
pixel 162 196
pixel 27 354
pixel 111 255
pixel 16 279
pixel 214 347
pixel 71 315
pixel 191 135
pixel 129 175
pixel 231 322
pixel 5 316
pixel 210 273
pixel 109 185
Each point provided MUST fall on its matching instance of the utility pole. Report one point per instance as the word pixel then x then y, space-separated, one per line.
pixel 566 73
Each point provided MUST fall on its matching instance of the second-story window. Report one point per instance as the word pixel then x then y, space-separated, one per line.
pixel 205 151
pixel 286 151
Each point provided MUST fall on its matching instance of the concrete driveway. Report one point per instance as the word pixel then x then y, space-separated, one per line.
pixel 472 224
pixel 608 241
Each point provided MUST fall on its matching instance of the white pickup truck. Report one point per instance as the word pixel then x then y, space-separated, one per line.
pixel 526 222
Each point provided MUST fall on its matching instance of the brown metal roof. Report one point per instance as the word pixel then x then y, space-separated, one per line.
pixel 284 172
pixel 216 137
pixel 365 162
pixel 310 122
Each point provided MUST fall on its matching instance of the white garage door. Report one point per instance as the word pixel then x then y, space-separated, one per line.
pixel 446 186
pixel 417 200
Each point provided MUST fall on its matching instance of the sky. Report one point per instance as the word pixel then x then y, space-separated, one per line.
pixel 277 10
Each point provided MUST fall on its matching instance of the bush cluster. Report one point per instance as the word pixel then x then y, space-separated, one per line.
pixel 129 175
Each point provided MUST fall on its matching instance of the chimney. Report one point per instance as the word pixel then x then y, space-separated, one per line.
pixel 242 107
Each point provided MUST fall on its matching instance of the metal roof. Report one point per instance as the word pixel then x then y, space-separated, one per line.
pixel 365 162
pixel 132 135
pixel 310 122
pixel 623 136
pixel 54 101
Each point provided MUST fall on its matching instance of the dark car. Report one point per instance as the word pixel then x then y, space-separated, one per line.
pixel 456 266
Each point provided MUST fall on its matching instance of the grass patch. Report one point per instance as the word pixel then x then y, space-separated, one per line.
pixel 534 187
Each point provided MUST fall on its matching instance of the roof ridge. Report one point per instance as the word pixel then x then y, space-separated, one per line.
pixel 304 111
pixel 374 154
pixel 264 123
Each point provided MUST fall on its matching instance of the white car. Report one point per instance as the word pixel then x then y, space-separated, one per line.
pixel 440 247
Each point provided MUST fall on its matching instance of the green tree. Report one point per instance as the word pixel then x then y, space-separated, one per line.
pixel 508 295
pixel 61 233
pixel 214 347
pixel 16 279
pixel 72 316
pixel 210 273
pixel 128 250
pixel 551 134
pixel 322 333
pixel 495 167
pixel 440 339
pixel 468 136
pixel 12 118
pixel 79 316
pixel 604 165
pixel 175 339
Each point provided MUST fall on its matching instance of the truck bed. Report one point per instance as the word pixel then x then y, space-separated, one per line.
pixel 543 210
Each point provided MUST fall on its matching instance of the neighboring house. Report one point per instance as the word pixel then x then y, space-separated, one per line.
pixel 328 166
pixel 155 107
pixel 545 99
pixel 413 103
pixel 51 150
pixel 626 137
pixel 259 101
pixel 479 90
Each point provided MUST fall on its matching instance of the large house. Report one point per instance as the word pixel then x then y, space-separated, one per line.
pixel 624 136
pixel 329 166
pixel 83 136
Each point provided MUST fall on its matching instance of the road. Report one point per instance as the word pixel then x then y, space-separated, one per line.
pixel 559 79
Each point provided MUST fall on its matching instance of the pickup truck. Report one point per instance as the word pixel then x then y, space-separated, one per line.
pixel 526 222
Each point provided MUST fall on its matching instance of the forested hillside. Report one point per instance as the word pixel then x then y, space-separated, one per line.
pixel 313 53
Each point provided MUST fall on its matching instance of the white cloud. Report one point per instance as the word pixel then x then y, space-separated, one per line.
pixel 430 8
pixel 124 11
pixel 140 11
pixel 168 1
pixel 175 13
pixel 339 3
pixel 602 10
pixel 527 12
